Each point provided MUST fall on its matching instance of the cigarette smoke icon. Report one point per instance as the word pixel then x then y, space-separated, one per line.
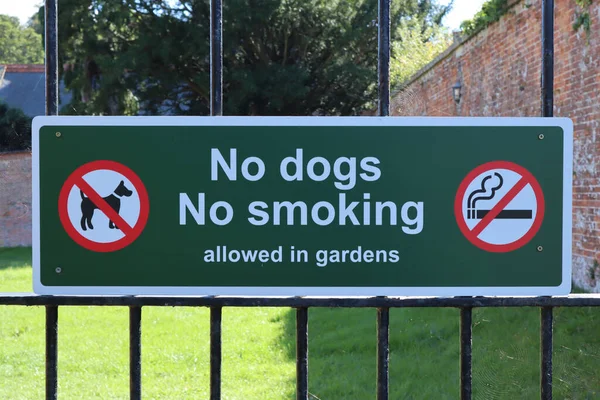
pixel 481 194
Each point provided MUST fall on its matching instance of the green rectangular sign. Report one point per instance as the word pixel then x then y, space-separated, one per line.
pixel 327 206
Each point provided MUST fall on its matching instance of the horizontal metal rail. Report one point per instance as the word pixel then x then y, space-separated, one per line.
pixel 573 300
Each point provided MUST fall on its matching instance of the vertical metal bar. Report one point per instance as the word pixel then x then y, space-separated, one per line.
pixel 466 341
pixel 135 352
pixel 51 352
pixel 302 353
pixel 546 356
pixel 383 110
pixel 383 353
pixel 216 57
pixel 51 39
pixel 547 86
pixel 547 83
pixel 216 108
pixel 51 62
pixel 215 353
pixel 383 58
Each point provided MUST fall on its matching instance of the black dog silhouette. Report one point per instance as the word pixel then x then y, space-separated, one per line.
pixel 114 201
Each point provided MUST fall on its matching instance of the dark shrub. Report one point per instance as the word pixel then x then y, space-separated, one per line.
pixel 15 129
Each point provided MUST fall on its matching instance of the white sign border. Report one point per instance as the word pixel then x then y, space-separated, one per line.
pixel 563 289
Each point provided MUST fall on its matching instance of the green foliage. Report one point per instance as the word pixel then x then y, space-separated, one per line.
pixel 15 129
pixel 35 23
pixel 19 45
pixel 582 18
pixel 281 57
pixel 417 48
pixel 491 11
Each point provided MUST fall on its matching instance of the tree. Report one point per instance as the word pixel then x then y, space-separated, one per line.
pixel 15 129
pixel 281 57
pixel 419 46
pixel 35 22
pixel 491 11
pixel 19 45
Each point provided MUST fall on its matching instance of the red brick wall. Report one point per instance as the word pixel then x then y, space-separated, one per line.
pixel 500 73
pixel 15 199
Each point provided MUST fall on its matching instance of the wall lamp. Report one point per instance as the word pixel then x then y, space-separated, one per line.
pixel 456 91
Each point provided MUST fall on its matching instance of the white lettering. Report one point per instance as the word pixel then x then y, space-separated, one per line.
pixel 346 211
pixel 217 159
pixel 290 207
pixel 417 221
pixel 310 169
pixel 246 169
pixel 228 213
pixel 185 204
pixel 330 213
pixel 257 209
pixel 350 176
pixel 379 207
pixel 296 162
pixel 366 166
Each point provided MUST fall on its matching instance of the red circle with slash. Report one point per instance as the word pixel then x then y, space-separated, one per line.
pixel 131 233
pixel 526 179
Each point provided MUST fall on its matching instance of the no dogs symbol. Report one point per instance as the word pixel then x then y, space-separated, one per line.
pixel 499 206
pixel 103 206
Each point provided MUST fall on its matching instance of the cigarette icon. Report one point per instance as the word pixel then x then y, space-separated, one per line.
pixel 504 214
pixel 487 194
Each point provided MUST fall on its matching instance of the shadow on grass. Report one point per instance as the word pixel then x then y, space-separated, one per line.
pixel 15 257
pixel 424 353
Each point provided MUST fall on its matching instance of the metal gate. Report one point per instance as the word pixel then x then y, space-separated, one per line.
pixel 301 304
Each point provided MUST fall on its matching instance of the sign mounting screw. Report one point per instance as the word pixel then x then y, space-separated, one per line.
pixel 541 136
pixel 540 248
pixel 58 134
pixel 58 270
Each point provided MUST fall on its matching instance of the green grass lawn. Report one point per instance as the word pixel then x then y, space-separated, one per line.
pixel 259 351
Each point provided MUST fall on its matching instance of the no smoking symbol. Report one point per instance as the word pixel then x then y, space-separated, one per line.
pixel 103 206
pixel 499 206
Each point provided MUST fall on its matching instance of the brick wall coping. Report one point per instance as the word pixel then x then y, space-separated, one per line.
pixel 25 68
pixel 14 154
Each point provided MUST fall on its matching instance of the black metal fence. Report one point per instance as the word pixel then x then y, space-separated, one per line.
pixel 301 304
